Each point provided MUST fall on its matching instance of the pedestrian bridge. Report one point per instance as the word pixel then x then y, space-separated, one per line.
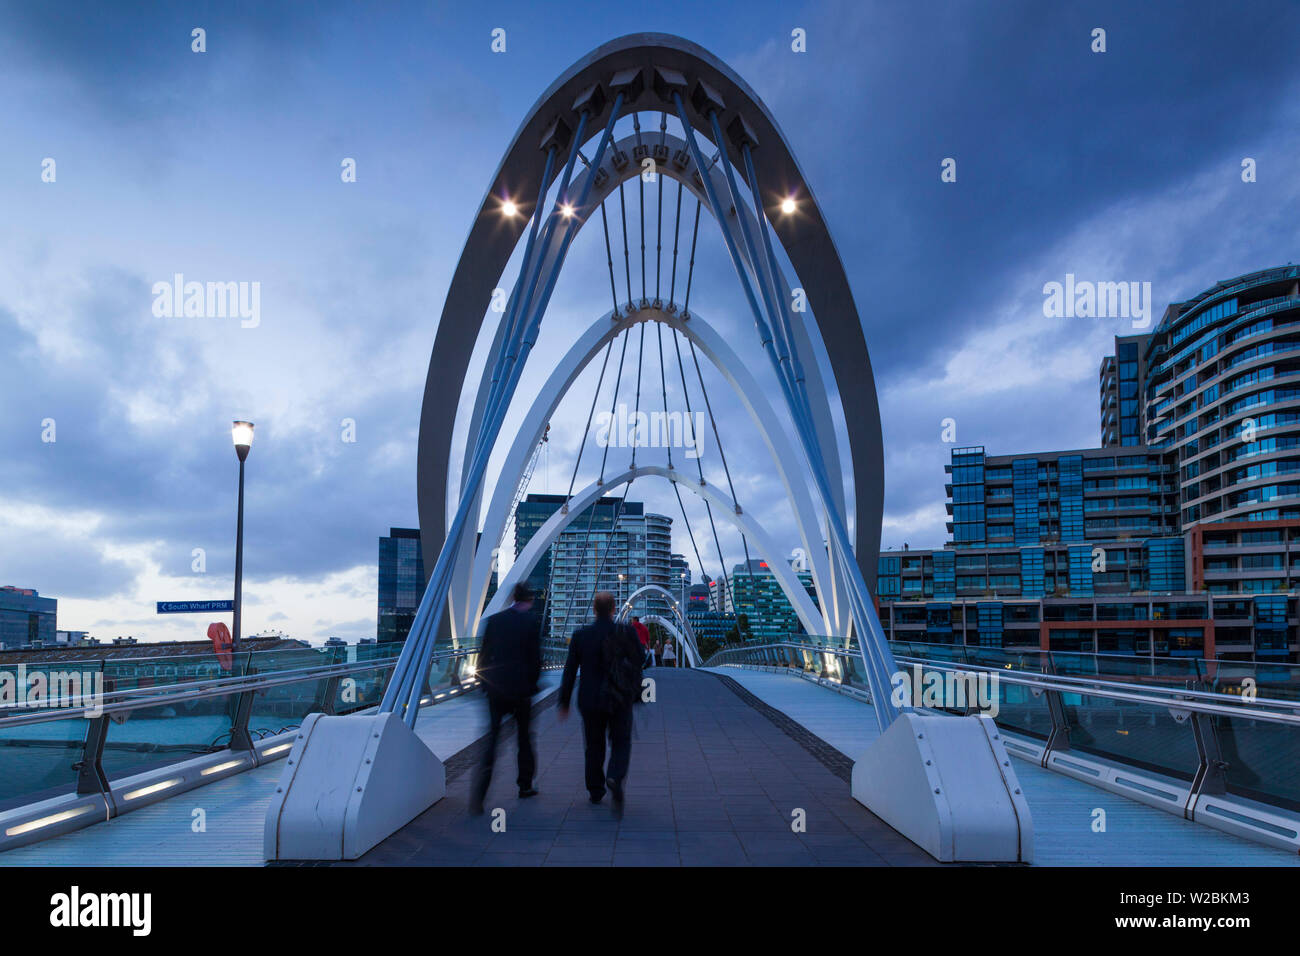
pixel 745 762
pixel 795 752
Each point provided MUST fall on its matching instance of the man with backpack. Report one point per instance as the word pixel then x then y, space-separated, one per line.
pixel 609 657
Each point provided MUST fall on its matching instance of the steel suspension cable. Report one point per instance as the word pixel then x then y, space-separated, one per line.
pixel 659 238
pixel 627 261
pixel 690 272
pixel 677 224
pixel 609 256
pixel 604 458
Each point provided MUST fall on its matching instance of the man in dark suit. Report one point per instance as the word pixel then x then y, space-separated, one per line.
pixel 509 665
pixel 591 651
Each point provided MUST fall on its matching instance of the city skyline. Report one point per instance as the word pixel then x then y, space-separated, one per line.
pixel 208 183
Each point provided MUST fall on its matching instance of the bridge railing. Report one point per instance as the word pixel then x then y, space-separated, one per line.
pixel 1216 735
pixel 88 742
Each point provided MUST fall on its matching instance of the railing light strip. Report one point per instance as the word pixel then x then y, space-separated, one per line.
pixel 42 822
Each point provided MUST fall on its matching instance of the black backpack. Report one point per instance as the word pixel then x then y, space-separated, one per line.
pixel 621 654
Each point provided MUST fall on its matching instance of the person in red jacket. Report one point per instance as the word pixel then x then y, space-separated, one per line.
pixel 643 635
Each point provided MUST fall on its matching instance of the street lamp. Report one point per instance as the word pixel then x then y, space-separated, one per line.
pixel 242 433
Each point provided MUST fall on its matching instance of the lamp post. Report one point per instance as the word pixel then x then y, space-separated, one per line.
pixel 242 433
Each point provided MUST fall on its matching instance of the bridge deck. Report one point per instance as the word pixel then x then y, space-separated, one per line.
pixel 712 782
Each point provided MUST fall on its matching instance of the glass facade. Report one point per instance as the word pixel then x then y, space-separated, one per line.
pixel 26 618
pixel 401 583
pixel 1195 490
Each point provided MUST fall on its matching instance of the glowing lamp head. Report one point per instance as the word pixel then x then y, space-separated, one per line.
pixel 567 210
pixel 787 205
pixel 509 208
pixel 242 434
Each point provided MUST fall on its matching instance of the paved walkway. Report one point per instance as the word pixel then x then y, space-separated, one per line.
pixel 714 781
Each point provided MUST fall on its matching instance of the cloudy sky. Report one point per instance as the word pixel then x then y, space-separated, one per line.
pixel 225 166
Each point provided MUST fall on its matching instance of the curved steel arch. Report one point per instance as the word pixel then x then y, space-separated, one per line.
pixel 468 594
pixel 467 588
pixel 661 61
pixel 677 611
pixel 687 646
pixel 551 529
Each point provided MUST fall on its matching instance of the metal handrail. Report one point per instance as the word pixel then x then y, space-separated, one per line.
pixel 1094 688
pixel 202 690
pixel 237 680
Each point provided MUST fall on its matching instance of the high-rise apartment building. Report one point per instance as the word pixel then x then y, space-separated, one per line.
pixel 619 552
pixel 1179 535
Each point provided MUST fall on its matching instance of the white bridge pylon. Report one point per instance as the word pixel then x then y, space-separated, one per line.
pixel 785 458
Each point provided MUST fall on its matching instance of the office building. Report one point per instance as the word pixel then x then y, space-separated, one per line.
pixel 401 583
pixel 26 618
pixel 756 595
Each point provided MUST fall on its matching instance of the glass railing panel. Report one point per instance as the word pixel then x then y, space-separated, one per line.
pixel 1263 760
pixel 285 706
pixel 851 672
pixel 362 689
pixel 1166 671
pixel 1267 680
pixel 1021 711
pixel 36 760
pixel 293 658
pixel 131 673
pixel 1141 735
pixel 164 733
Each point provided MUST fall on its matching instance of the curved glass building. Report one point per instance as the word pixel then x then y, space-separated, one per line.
pixel 1223 392
pixel 1179 536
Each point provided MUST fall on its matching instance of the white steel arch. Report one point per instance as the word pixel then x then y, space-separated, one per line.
pixel 678 612
pixel 466 583
pixel 469 595
pixel 687 646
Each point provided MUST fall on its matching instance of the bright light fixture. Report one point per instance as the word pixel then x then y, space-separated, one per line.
pixel 567 210
pixel 787 205
pixel 242 433
pixel 509 208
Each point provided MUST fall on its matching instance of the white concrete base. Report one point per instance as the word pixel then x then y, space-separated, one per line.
pixel 349 783
pixel 946 783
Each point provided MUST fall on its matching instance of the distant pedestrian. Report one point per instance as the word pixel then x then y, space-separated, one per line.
pixel 509 665
pixel 670 655
pixel 609 657
pixel 643 633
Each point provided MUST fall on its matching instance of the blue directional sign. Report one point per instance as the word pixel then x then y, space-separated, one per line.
pixel 194 607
